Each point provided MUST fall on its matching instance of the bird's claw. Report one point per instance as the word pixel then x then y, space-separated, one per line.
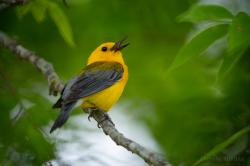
pixel 106 117
pixel 91 112
pixel 90 115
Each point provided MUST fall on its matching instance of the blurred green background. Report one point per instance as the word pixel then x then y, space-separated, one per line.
pixel 197 83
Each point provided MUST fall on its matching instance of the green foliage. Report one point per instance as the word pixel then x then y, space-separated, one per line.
pixel 238 35
pixel 238 42
pixel 218 148
pixel 24 115
pixel 199 13
pixel 199 43
pixel 39 8
pixel 61 22
pixel 24 141
pixel 237 31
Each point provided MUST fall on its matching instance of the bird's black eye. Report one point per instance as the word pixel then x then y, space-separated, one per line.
pixel 104 49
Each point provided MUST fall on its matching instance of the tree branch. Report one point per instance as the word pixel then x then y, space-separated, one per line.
pixel 8 3
pixel 109 129
pixel 56 86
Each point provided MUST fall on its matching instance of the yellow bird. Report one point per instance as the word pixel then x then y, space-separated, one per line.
pixel 99 85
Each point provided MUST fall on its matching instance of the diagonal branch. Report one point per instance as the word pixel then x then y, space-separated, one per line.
pixel 56 86
pixel 109 129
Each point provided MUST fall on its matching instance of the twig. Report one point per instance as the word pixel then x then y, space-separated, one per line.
pixel 109 129
pixel 56 86
pixel 8 3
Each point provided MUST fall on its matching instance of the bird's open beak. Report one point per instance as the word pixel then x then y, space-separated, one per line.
pixel 119 45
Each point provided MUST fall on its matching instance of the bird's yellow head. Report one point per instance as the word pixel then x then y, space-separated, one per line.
pixel 109 51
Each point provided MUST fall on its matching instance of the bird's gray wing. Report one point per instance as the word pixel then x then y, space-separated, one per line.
pixel 95 78
pixel 65 92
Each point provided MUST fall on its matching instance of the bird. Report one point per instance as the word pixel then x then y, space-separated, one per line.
pixel 99 85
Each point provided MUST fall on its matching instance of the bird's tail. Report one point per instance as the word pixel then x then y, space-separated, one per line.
pixel 61 119
pixel 58 104
pixel 63 116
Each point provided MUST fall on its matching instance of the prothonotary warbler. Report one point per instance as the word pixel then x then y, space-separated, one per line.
pixel 99 85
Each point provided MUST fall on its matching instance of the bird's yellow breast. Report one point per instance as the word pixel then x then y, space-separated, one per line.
pixel 106 98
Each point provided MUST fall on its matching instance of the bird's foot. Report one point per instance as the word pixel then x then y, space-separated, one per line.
pixel 105 117
pixel 90 115
pixel 91 112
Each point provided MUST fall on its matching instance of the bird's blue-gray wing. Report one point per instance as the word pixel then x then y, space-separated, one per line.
pixel 95 78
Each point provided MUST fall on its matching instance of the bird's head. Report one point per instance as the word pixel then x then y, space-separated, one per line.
pixel 109 51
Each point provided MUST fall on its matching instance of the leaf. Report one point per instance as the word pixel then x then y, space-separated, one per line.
pixel 239 32
pixel 218 148
pixel 229 62
pixel 238 41
pixel 37 7
pixel 22 11
pixel 205 12
pixel 38 10
pixel 199 44
pixel 61 22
